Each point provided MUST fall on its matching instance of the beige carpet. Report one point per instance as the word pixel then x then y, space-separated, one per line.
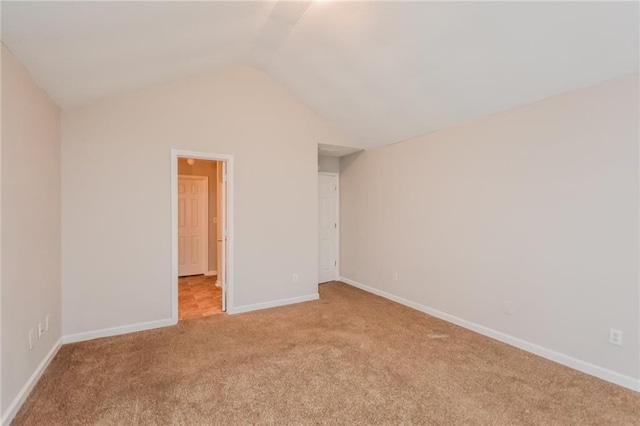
pixel 349 358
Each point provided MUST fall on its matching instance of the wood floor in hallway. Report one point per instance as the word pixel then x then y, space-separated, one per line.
pixel 198 297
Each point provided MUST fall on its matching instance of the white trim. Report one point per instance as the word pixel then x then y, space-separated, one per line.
pixel 566 360
pixel 17 402
pixel 337 176
pixel 205 229
pixel 116 331
pixel 210 273
pixel 273 304
pixel 222 247
pixel 175 153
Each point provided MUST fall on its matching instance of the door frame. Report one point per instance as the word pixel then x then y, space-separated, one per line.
pixel 204 231
pixel 337 176
pixel 228 159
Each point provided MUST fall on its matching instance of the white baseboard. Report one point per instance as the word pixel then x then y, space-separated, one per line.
pixel 210 273
pixel 566 360
pixel 15 405
pixel 273 304
pixel 115 331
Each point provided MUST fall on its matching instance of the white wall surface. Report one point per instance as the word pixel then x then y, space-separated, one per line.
pixel 116 227
pixel 537 205
pixel 329 164
pixel 30 224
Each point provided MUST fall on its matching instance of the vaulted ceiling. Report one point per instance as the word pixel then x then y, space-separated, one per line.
pixel 380 71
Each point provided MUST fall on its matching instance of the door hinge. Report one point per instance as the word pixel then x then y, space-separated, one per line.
pixel 335 225
pixel 335 263
pixel 224 177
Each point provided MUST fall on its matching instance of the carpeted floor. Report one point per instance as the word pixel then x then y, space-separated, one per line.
pixel 349 358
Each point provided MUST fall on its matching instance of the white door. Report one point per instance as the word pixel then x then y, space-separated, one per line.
pixel 192 225
pixel 222 231
pixel 328 227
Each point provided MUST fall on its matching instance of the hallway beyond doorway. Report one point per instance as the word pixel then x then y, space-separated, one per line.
pixel 198 296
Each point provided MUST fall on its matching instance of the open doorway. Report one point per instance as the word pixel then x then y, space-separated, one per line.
pixel 328 226
pixel 201 237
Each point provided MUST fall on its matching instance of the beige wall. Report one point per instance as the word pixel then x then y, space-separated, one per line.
pixel 537 205
pixel 30 224
pixel 116 193
pixel 208 169
pixel 329 164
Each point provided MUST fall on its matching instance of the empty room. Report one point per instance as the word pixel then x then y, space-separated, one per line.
pixel 320 212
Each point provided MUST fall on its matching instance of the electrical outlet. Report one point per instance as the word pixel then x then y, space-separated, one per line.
pixel 40 330
pixel 46 323
pixel 296 278
pixel 31 341
pixel 395 277
pixel 615 337
pixel 507 307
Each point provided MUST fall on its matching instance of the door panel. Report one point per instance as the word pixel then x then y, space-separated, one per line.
pixel 328 228
pixel 192 225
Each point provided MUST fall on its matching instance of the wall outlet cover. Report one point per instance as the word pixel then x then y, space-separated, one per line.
pixel 615 337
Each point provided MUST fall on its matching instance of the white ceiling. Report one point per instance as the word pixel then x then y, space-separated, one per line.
pixel 337 151
pixel 380 71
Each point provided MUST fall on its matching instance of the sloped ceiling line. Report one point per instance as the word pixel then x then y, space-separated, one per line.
pixel 381 72
pixel 277 27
